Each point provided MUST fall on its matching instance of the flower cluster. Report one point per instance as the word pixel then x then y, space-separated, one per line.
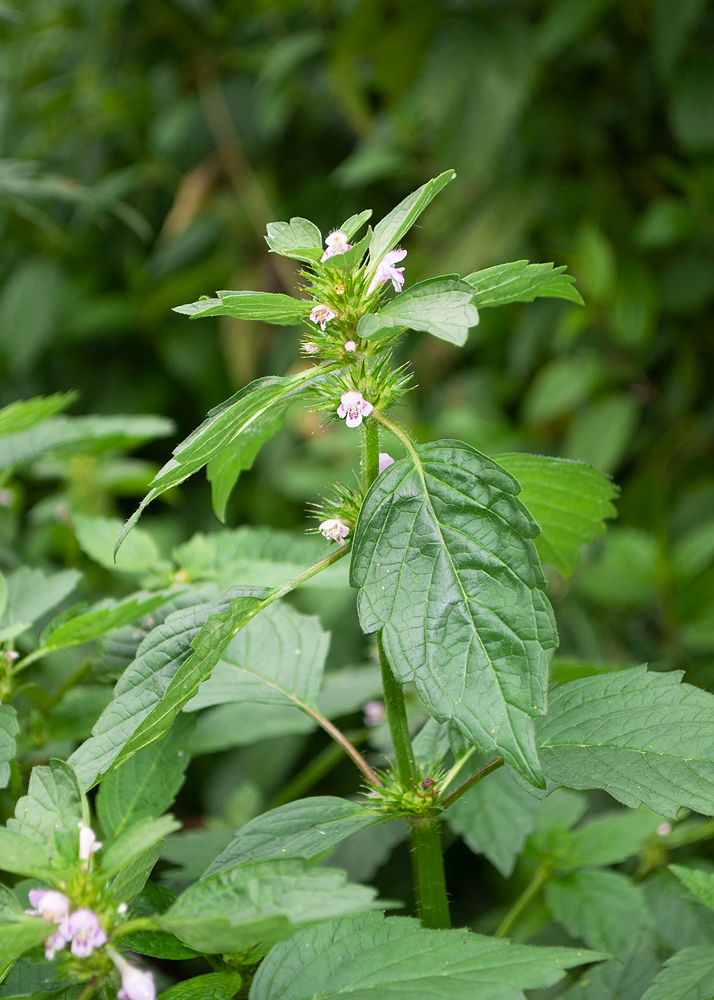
pixel 80 930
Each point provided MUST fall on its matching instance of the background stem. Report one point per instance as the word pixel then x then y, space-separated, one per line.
pixel 541 876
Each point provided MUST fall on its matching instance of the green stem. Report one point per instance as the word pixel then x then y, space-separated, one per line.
pixel 370 454
pixel 140 924
pixel 543 873
pixel 473 780
pixel 88 989
pixel 428 864
pixel 317 769
pixel 398 723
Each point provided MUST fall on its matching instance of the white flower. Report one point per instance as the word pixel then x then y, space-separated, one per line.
pixel 336 243
pixel 135 984
pixel 353 406
pixel 88 843
pixel 322 315
pixel 385 461
pixel 374 713
pixel 50 905
pixel 308 347
pixel 84 931
pixel 335 530
pixel 386 271
pixel 350 346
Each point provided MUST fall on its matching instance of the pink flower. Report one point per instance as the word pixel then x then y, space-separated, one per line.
pixel 322 315
pixel 385 461
pixel 308 347
pixel 663 829
pixel 88 843
pixel 50 905
pixel 335 529
pixel 336 243
pixel 374 713
pixel 386 271
pixel 54 943
pixel 350 346
pixel 84 931
pixel 135 984
pixel 353 406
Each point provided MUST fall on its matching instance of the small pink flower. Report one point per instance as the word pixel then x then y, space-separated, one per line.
pixel 307 347
pixel 84 931
pixel 135 984
pixel 88 843
pixel 374 713
pixel 663 829
pixel 54 943
pixel 335 530
pixel 385 461
pixel 386 271
pixel 353 406
pixel 336 243
pixel 322 315
pixel 50 905
pixel 350 346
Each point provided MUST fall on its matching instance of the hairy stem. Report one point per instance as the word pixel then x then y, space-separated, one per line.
pixel 473 780
pixel 429 878
pixel 398 725
pixel 542 874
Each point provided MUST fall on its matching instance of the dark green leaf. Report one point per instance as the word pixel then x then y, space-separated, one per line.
pixel 212 986
pixel 425 552
pixel 520 281
pixel 602 908
pixel 9 730
pixel 20 936
pixel 267 307
pixel 620 980
pixel 688 975
pixel 158 944
pixel 440 306
pixel 52 810
pixel 699 882
pixel 299 239
pixel 400 220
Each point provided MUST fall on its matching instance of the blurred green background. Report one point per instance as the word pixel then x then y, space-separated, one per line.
pixel 146 143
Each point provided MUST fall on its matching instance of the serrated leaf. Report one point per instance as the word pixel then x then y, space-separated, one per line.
pixel 440 306
pixel 305 829
pixel 267 557
pixel 265 307
pixel 259 903
pixel 395 957
pixel 22 855
pixel 400 220
pixel 224 469
pixel 642 737
pixel 170 664
pixel 97 535
pixel 19 937
pixel 30 979
pixel 32 593
pixel 520 281
pixel 212 986
pixel 688 975
pixel 52 810
pixel 469 626
pixel 158 944
pixel 136 841
pixel 620 980
pixel 244 413
pixel 680 918
pixel 494 818
pixel 299 239
pixel 602 908
pixel 607 840
pixel 699 882
pixel 9 731
pixel 570 502
pixel 80 435
pixel 25 413
pixel 146 784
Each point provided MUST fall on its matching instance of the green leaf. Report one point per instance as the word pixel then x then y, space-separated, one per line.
pixel 469 626
pixel 355 222
pixel 520 281
pixel 620 980
pixel 299 239
pixel 170 664
pixel 22 855
pixel 146 784
pixel 395 957
pixel 267 557
pixel 25 413
pixel 9 731
pixel 440 306
pixel 51 812
pixel 97 535
pixel 10 908
pixel 699 882
pixel 680 918
pixel 30 979
pixel 247 412
pixel 688 975
pixel 240 725
pixel 266 307
pixel 158 944
pixel 570 502
pixel 136 841
pixel 80 435
pixel 131 880
pixel 607 840
pixel 277 659
pixel 494 818
pixel 31 593
pixel 19 937
pixel 602 908
pixel 400 220
pixel 642 737
pixel 624 574
pixel 212 986
pixel 305 829
pixel 259 903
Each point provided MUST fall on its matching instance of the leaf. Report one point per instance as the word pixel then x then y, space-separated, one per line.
pixel 31 593
pixel 211 986
pixel 238 724
pixel 268 557
pixel 137 840
pixel 10 908
pixel 602 908
pixel 305 828
pixel 25 413
pixel 96 537
pixel 470 627
pixel 247 412
pixel 400 220
pixel 277 659
pixel 170 664
pixel 259 903
pixel 355 222
pixel 80 435
pixel 266 307
pixel 620 980
pixel 22 855
pixel 131 880
pixel 681 919
pixel 699 882
pixel 19 937
pixel 395 957
pixel 642 737
pixel 494 818
pixel 299 239
pixel 146 784
pixel 51 812
pixel 440 306
pixel 9 731
pixel 607 840
pixel 520 281
pixel 688 975
pixel 158 944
